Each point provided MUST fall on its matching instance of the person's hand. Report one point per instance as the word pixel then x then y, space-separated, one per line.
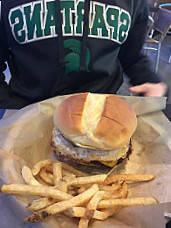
pixel 150 89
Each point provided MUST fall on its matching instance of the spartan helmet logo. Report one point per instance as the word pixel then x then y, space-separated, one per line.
pixel 73 54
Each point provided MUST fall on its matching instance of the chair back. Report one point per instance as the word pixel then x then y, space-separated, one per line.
pixel 165 6
pixel 162 21
pixel 162 2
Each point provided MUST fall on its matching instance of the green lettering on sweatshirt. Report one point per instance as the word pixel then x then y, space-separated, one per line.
pixel 50 19
pixel 67 8
pixel 98 27
pixel 113 20
pixel 124 27
pixel 17 24
pixel 37 20
pixel 79 18
pixel 33 21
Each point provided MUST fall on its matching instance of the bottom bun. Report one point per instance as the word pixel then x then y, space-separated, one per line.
pixel 69 152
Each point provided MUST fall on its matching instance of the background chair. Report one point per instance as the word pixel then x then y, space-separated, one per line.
pixel 163 2
pixel 159 28
pixel 166 5
pixel 153 7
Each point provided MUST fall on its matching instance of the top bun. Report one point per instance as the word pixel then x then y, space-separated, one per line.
pixel 96 121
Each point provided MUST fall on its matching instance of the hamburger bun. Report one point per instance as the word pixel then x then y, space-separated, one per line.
pixel 96 121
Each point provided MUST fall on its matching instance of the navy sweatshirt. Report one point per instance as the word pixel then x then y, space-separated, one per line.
pixel 65 47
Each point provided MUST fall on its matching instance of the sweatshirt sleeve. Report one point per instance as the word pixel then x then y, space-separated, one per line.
pixel 136 65
pixel 4 87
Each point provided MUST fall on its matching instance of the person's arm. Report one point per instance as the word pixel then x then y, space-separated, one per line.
pixel 136 65
pixel 8 98
pixel 4 87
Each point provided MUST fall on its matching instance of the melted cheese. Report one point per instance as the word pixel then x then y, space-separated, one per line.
pixel 86 154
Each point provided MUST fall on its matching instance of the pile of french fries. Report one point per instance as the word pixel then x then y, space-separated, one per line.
pixel 63 189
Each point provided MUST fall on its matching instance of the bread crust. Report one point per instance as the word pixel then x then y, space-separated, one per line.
pixel 118 122
pixel 67 116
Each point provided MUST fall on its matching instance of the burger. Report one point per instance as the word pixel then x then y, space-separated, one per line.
pixel 93 128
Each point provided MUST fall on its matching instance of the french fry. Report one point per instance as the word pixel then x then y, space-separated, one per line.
pixel 76 211
pixel 43 163
pixel 47 177
pixel 56 178
pixel 81 190
pixel 63 205
pixel 126 202
pixel 83 223
pixel 67 190
pixel 67 178
pixel 121 193
pixel 99 215
pixel 28 176
pixel 57 173
pixel 48 168
pixel 73 170
pixel 62 185
pixel 87 180
pixel 41 203
pixel 102 215
pixel 90 211
pixel 41 181
pixel 92 205
pixel 37 167
pixel 128 177
pixel 66 173
pixel 35 190
pixel 114 187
